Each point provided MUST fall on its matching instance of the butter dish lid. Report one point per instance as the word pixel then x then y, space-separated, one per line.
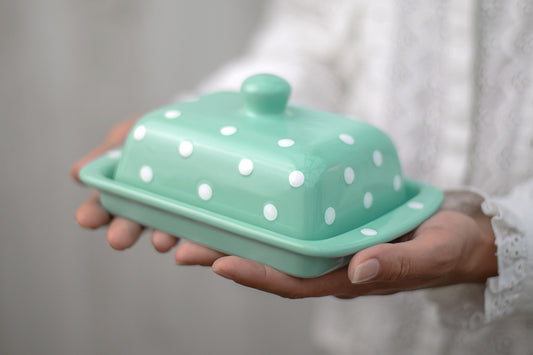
pixel 250 156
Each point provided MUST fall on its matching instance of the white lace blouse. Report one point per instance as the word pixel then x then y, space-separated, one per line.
pixel 452 83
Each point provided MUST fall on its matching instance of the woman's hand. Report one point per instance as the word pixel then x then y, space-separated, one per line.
pixel 448 248
pixel 122 233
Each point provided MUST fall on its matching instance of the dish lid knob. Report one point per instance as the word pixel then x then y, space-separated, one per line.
pixel 265 94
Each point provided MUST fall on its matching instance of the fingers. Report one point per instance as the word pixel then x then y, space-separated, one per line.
pixel 75 170
pixel 123 233
pixel 162 241
pixel 253 274
pixel 91 214
pixel 115 138
pixel 190 253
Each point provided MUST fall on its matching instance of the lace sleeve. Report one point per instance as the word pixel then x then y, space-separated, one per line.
pixel 511 292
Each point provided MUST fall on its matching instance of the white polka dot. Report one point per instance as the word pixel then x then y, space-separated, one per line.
pixel 346 138
pixel 285 143
pixel 172 114
pixel 139 133
pixel 349 175
pixel 368 199
pixel 228 130
pixel 369 232
pixel 185 149
pixel 270 212
pixel 246 166
pixel 329 216
pixel 415 205
pixel 378 158
pixel 114 154
pixel 146 173
pixel 205 192
pixel 397 182
pixel 296 178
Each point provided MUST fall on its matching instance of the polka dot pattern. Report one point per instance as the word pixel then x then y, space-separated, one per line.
pixel 205 192
pixel 346 138
pixel 369 232
pixel 377 157
pixel 415 205
pixel 349 175
pixel 329 216
pixel 185 149
pixel 296 178
pixel 171 114
pixel 139 133
pixel 285 143
pixel 368 200
pixel 228 130
pixel 270 212
pixel 246 166
pixel 146 173
pixel 397 183
pixel 114 154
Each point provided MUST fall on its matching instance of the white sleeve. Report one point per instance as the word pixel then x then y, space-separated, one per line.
pixel 299 41
pixel 511 292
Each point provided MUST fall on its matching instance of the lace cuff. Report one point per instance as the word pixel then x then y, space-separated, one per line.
pixel 511 292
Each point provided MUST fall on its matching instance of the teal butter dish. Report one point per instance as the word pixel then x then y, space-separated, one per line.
pixel 250 175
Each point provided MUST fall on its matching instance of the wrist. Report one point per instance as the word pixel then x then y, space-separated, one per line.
pixel 486 250
pixel 481 260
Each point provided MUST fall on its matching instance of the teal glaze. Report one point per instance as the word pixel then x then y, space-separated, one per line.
pixel 265 94
pixel 303 208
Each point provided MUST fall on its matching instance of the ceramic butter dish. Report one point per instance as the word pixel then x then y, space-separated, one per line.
pixel 244 173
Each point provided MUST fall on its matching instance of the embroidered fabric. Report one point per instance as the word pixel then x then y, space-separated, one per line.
pixel 513 226
pixel 452 84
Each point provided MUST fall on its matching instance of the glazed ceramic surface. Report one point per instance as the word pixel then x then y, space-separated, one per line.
pixel 245 173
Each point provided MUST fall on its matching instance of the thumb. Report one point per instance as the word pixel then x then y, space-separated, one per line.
pixel 417 258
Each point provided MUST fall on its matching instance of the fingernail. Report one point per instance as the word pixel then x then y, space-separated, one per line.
pixel 366 271
pixel 219 272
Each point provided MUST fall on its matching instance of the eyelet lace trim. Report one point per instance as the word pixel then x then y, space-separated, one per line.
pixel 503 291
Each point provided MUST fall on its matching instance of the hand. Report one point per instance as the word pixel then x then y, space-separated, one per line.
pixel 448 248
pixel 122 233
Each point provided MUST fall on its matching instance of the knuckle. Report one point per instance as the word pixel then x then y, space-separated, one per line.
pixel 404 268
pixel 400 270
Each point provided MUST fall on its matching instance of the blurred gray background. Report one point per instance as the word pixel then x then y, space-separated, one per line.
pixel 69 69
